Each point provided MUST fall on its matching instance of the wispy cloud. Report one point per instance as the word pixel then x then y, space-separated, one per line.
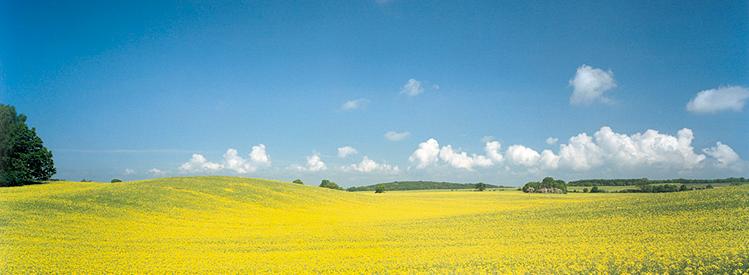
pixel 346 151
pixel 396 136
pixel 354 104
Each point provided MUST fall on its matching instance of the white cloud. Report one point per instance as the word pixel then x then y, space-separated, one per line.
pixel 462 160
pixel 412 87
pixel 198 163
pixel 258 157
pixel 650 148
pixel 590 84
pixel 492 150
pixel 129 171
pixel 427 153
pixel 605 150
pixel 731 98
pixel 551 140
pixel 521 155
pixel 156 172
pixel 314 164
pixel 581 153
pixel 368 166
pixel 549 160
pixel 723 154
pixel 354 104
pixel 346 151
pixel 234 162
pixel 396 136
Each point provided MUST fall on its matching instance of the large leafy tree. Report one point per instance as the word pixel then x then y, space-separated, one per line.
pixel 23 157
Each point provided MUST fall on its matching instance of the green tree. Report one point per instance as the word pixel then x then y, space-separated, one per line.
pixel 379 189
pixel 480 186
pixel 23 157
pixel 298 181
pixel 329 184
pixel 116 180
pixel 595 189
pixel 683 187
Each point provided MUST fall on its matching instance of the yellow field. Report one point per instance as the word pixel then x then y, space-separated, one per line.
pixel 224 224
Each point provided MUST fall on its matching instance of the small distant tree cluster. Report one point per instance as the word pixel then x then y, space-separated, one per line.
pixel 298 181
pixel 595 189
pixel 23 157
pixel 329 184
pixel 379 189
pixel 665 188
pixel 480 186
pixel 547 185
pixel 116 180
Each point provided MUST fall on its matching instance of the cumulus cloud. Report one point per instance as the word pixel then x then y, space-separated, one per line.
pixel 590 84
pixel 258 157
pixel 604 149
pixel 412 87
pixel 462 160
pixel 551 140
pixel 492 148
pixel 354 104
pixel 346 151
pixel 731 98
pixel 314 164
pixel 368 166
pixel 650 148
pixel 521 155
pixel 396 136
pixel 198 163
pixel 129 171
pixel 723 154
pixel 156 172
pixel 549 160
pixel 427 153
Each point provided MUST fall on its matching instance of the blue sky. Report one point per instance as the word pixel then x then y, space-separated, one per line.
pixel 118 90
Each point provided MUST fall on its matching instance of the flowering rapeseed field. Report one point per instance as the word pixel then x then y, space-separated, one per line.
pixel 229 225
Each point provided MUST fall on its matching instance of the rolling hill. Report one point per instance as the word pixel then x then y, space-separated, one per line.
pixel 240 225
pixel 417 185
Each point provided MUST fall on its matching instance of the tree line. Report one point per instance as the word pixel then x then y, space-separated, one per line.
pixel 645 181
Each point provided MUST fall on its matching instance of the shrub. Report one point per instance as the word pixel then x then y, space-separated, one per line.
pixel 116 180
pixel 298 181
pixel 329 184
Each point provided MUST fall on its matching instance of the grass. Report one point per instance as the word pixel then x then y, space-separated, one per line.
pixel 236 225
